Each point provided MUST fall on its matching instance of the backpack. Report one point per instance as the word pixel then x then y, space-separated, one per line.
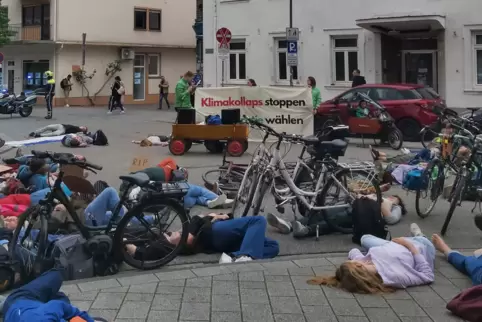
pixel 368 220
pixel 100 138
pixel 63 83
pixel 413 180
pixel 70 253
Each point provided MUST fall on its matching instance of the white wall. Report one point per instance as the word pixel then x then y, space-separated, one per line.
pixel 259 21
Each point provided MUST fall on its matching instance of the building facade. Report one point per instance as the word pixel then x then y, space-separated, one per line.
pixel 150 38
pixel 433 42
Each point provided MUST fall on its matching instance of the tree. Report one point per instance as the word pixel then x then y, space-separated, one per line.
pixel 5 32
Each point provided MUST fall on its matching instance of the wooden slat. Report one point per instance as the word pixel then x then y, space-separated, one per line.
pixel 31 33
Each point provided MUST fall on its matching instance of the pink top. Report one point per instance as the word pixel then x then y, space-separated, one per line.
pixel 397 266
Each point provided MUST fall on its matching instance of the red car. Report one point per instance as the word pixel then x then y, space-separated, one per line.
pixel 409 104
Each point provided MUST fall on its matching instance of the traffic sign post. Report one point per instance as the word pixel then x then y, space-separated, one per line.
pixel 292 58
pixel 223 36
pixel 292 34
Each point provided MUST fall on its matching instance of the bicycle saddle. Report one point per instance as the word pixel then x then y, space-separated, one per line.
pixel 473 109
pixel 310 139
pixel 338 144
pixel 138 179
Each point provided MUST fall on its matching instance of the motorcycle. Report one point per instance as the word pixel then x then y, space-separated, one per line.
pixel 22 104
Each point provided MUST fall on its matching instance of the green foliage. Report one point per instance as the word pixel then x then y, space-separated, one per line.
pixel 113 68
pixel 5 32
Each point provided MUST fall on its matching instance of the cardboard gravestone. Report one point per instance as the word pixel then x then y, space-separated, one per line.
pixel 139 163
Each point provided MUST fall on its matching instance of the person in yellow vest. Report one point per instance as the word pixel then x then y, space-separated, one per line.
pixel 50 93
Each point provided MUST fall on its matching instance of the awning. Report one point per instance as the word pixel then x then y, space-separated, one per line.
pixel 404 25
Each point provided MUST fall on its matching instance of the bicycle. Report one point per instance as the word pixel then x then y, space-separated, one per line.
pixel 332 173
pixel 468 176
pixel 157 197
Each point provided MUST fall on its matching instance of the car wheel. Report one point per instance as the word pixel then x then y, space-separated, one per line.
pixel 410 129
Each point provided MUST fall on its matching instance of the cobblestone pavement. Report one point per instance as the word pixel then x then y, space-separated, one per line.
pixel 259 291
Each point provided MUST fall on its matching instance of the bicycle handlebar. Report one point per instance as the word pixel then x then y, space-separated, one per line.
pixel 65 159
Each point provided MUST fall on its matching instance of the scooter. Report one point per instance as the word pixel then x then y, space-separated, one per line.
pixel 12 104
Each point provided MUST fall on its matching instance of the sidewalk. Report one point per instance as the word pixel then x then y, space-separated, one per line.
pixel 264 291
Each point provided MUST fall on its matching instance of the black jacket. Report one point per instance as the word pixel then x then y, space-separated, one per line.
pixel 358 80
pixel 115 87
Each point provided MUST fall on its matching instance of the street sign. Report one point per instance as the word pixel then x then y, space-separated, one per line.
pixel 223 51
pixel 2 57
pixel 292 57
pixel 292 34
pixel 223 36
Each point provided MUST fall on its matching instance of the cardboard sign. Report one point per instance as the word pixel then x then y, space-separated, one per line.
pixel 139 163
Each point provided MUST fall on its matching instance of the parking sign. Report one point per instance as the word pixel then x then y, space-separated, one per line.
pixel 292 57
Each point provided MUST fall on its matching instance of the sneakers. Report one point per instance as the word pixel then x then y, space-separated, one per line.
pixel 299 230
pixel 405 151
pixel 219 201
pixel 228 203
pixel 67 105
pixel 278 223
pixel 415 230
pixel 123 112
pixel 225 259
pixel 109 112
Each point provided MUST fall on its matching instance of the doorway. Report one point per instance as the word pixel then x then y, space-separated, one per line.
pixel 420 67
pixel 139 92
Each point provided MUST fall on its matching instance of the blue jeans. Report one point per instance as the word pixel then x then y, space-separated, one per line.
pixel 369 241
pixel 99 211
pixel 197 195
pixel 468 265
pixel 163 96
pixel 244 236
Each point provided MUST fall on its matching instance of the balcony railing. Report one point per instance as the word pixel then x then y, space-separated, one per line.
pixel 29 33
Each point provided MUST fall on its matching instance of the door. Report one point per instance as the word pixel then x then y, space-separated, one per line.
pixel 11 80
pixel 420 67
pixel 139 78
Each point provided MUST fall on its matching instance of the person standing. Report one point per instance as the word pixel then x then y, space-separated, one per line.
pixel 184 89
pixel 116 95
pixel 50 93
pixel 357 79
pixel 66 86
pixel 316 99
pixel 252 83
pixel 164 92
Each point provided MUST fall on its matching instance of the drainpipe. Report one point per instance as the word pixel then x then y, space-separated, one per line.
pixel 212 33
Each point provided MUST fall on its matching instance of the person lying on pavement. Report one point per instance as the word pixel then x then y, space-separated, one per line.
pixel 58 129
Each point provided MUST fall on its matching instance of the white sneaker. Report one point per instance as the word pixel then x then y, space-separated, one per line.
pixel 109 112
pixel 415 230
pixel 243 259
pixel 217 202
pixel 225 259
pixel 67 105
pixel 278 223
pixel 123 112
pixel 405 151
pixel 228 203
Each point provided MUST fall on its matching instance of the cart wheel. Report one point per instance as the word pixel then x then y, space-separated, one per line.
pixel 188 145
pixel 177 147
pixel 245 144
pixel 236 148
pixel 214 146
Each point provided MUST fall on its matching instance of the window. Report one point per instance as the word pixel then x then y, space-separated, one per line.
pixel 147 19
pixel 282 68
pixel 237 60
pixel 154 63
pixel 140 19
pixel 32 15
pixel 351 96
pixel 387 94
pixel 478 58
pixel 345 58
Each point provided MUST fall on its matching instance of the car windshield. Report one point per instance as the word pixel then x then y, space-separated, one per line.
pixel 366 98
pixel 427 93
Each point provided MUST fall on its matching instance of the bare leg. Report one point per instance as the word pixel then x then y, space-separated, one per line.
pixel 440 244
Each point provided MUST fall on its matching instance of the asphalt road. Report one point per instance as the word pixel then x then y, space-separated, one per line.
pixel 137 123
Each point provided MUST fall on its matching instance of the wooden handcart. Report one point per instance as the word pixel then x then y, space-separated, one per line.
pixel 214 137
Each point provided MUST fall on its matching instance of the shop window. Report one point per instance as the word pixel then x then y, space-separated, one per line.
pixel 33 74
pixel 344 58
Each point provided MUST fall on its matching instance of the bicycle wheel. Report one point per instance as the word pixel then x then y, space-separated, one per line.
pixel 228 181
pixel 459 183
pixel 29 242
pixel 262 187
pixel 433 178
pixel 355 182
pixel 145 226
pixel 244 198
pixel 427 136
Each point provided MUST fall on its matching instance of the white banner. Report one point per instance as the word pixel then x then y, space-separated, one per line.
pixel 284 109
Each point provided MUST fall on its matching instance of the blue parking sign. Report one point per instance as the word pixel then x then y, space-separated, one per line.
pixel 292 47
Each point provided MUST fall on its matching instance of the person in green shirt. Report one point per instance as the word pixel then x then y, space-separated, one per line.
pixel 315 93
pixel 184 89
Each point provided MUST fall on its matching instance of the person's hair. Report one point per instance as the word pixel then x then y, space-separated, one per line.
pixel 356 70
pixel 69 76
pixel 189 74
pixel 117 78
pixel 312 81
pixel 401 204
pixel 253 82
pixel 354 278
pixel 36 165
pixel 145 142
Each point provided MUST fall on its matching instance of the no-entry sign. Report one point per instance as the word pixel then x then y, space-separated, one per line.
pixel 223 36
